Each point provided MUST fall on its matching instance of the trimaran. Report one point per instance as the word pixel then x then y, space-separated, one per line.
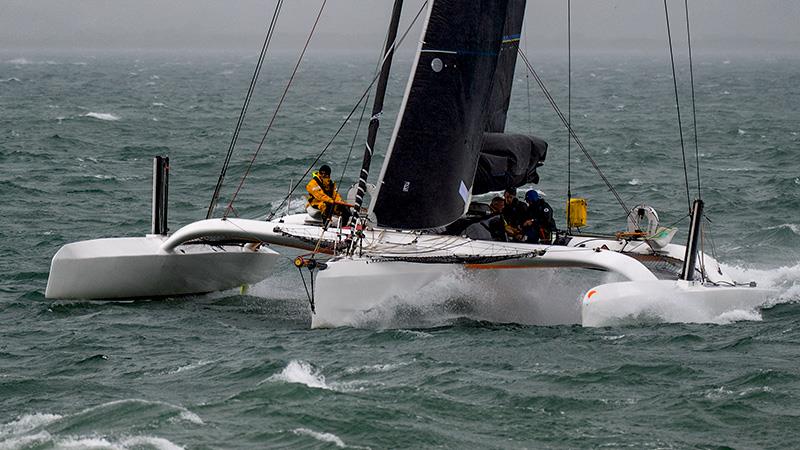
pixel 448 144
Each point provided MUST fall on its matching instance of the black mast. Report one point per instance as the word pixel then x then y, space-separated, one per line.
pixel 377 108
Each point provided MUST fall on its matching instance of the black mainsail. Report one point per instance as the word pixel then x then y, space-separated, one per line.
pixel 426 179
pixel 507 160
pixel 506 63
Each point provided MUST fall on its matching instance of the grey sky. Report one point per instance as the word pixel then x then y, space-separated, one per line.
pixel 360 24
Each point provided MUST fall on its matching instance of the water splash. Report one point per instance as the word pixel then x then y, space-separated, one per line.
pixel 27 422
pixel 785 279
pixel 301 372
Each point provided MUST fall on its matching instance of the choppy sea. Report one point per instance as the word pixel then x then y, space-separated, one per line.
pixel 77 134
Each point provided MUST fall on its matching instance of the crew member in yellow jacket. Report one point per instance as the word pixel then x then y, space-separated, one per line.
pixel 323 199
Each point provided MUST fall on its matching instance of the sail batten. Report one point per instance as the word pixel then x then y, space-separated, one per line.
pixel 428 173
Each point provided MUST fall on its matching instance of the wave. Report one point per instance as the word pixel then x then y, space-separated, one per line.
pixel 11 80
pixel 102 116
pixel 301 372
pixel 18 434
pixel 323 437
pixel 124 443
pixel 183 413
pixel 793 227
pixel 375 368
pixel 786 279
pixel 191 366
pixel 27 422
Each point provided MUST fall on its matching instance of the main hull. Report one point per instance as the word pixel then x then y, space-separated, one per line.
pixel 362 293
pixel 549 289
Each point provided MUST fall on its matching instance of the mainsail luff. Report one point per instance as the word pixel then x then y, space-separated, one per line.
pixel 429 169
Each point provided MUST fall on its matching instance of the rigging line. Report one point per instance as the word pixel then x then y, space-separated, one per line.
pixel 277 108
pixel 248 97
pixel 397 43
pixel 569 112
pixel 694 109
pixel 572 133
pixel 677 105
pixel 360 119
pixel 527 77
pixel 353 143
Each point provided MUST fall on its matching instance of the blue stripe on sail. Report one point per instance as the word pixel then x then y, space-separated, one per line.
pixel 511 38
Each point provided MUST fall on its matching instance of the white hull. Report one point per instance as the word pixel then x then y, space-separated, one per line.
pixel 140 267
pixel 361 293
pixel 668 301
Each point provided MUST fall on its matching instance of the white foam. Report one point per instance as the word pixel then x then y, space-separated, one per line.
pixel 124 443
pixel 786 279
pixel 148 441
pixel 742 132
pixel 18 442
pixel 189 416
pixel 102 116
pixel 737 315
pixel 12 79
pixel 27 422
pixel 191 366
pixel 185 414
pixel 158 104
pixel 375 368
pixel 19 61
pixel 301 372
pixel 83 443
pixel 635 182
pixel 415 333
pixel 324 437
